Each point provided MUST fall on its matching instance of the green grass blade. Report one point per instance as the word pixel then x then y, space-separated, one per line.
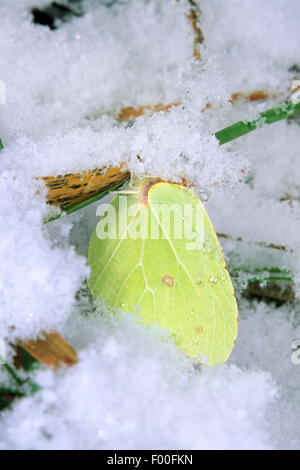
pixel 33 387
pixel 12 372
pixel 241 128
pixel 87 202
pixel 262 274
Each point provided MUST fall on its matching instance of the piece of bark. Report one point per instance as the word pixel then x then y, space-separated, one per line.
pixel 52 350
pixel 68 190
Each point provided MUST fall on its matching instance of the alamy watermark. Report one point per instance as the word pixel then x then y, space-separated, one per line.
pixel 2 92
pixel 164 221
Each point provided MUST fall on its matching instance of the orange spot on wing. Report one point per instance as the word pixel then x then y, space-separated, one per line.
pixel 168 280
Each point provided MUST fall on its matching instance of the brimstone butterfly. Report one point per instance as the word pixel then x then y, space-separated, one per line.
pixel 156 253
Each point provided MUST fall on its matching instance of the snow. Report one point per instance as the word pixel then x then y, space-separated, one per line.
pixel 64 88
pixel 131 390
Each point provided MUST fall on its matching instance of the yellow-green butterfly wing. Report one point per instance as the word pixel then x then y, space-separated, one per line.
pixel 160 257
